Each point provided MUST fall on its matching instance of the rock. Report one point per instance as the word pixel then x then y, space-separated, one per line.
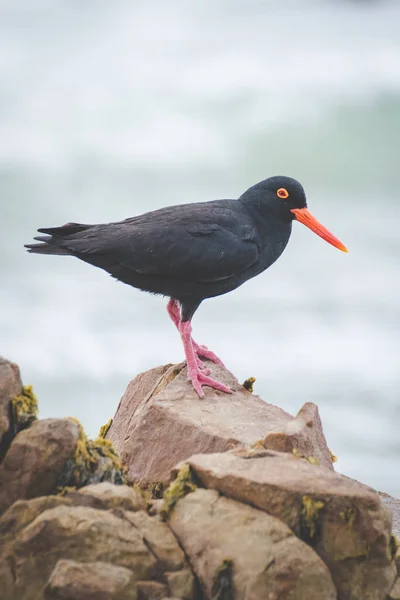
pixel 107 495
pixel 35 542
pixel 76 533
pixel 71 580
pixel 22 513
pixel 395 591
pixel 394 505
pixel 302 436
pixel 344 521
pixel 10 386
pixel 160 421
pixel 159 539
pixel 35 459
pixel 182 584
pixel 240 552
pixel 151 590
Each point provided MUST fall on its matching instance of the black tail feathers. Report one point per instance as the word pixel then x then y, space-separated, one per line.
pixel 50 242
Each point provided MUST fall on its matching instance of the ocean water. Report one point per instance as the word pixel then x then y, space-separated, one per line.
pixel 109 109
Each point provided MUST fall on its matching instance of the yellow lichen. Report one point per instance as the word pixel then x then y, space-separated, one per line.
pixel 349 515
pixel 310 514
pixel 249 384
pixel 24 408
pixel 93 461
pixel 334 458
pixel 104 429
pixel 182 485
pixel 311 459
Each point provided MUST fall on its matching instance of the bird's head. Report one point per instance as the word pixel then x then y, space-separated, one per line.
pixel 287 198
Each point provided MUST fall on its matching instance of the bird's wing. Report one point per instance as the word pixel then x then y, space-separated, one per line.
pixel 194 246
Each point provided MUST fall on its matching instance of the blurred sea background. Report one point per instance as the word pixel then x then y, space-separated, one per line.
pixel 110 109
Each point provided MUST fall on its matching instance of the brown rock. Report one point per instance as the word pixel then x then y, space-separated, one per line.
pixel 161 421
pixel 10 386
pixel 71 580
pixel 159 539
pixel 343 520
pixel 302 436
pixel 182 584
pixel 240 552
pixel 107 495
pixel 22 513
pixel 151 590
pixel 35 460
pixel 395 591
pixel 76 533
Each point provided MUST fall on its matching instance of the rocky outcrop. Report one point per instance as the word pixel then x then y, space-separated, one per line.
pixel 246 554
pixel 36 459
pixel 243 523
pixel 160 421
pixel 344 521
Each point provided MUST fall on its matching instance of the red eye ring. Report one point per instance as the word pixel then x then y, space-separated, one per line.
pixel 282 193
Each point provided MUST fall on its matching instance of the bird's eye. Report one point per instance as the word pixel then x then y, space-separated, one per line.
pixel 282 193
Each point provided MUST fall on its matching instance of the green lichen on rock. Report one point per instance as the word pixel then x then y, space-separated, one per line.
pixel 104 429
pixel 222 588
pixel 24 409
pixel 310 516
pixel 94 461
pixel 180 487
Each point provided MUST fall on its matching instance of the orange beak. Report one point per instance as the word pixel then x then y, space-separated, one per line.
pixel 304 216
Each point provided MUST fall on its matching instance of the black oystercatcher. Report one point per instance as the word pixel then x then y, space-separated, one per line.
pixel 192 252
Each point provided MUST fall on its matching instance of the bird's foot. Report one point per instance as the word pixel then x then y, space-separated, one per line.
pixel 204 369
pixel 200 378
pixel 206 353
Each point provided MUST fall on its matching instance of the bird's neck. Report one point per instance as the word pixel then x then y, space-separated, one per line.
pixel 267 218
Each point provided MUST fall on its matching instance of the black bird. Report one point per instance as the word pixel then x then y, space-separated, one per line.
pixel 192 252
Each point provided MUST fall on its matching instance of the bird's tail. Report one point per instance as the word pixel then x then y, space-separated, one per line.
pixel 51 243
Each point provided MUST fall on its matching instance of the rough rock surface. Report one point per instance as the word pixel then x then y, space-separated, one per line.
pixel 344 521
pixel 261 557
pixel 303 436
pixel 394 505
pixel 395 591
pixel 35 459
pixel 135 541
pixel 160 421
pixel 71 580
pixel 10 386
pixel 107 495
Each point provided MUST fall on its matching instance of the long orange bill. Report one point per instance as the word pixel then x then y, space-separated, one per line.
pixel 304 216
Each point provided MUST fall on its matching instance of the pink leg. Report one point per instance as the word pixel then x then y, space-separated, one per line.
pixel 195 374
pixel 175 314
